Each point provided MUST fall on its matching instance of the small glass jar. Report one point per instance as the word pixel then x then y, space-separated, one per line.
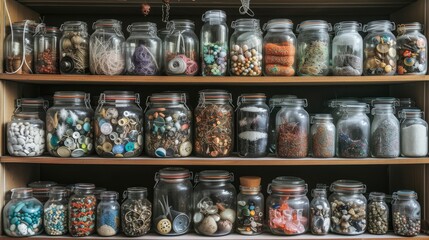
pixel 214 43
pixel 168 126
pixel 41 189
pixel 385 132
pixel 23 214
pixel 181 48
pixel 74 48
pixel 406 213
pixel 82 202
pixel 322 136
pixel 313 48
pixel 246 48
pixel 411 47
pixel 378 214
pixel 46 52
pixel 250 206
pixel 292 124
pixel 214 124
pixel 143 50
pixel 414 134
pixel 38 105
pixel 136 212
pixel 108 214
pixel 173 194
pixel 379 48
pixel 347 49
pixel 253 118
pixel 279 48
pixel 119 125
pixel 18 49
pixel 320 211
pixel 55 212
pixel 26 135
pixel 69 125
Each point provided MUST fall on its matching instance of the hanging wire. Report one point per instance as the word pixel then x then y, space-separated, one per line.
pixel 165 10
pixel 245 8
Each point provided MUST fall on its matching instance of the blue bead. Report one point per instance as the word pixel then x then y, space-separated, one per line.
pixel 118 149
pixel 252 207
pixel 87 127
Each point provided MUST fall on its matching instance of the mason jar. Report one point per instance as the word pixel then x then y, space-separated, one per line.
pixel 136 212
pixel 412 49
pixel 214 203
pixel 322 136
pixel 74 48
pixel 82 202
pixel 320 211
pixel 406 213
pixel 378 214
pixel 108 214
pixel 385 132
pixel 19 46
pixel 46 52
pixel 56 212
pixel 38 105
pixel 414 134
pixel 250 206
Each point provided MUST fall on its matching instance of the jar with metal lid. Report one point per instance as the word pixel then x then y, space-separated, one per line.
pixel 119 125
pixel 136 212
pixel 292 125
pixel 181 48
pixel 108 214
pixel 322 136
pixel 279 48
pixel 246 48
pixel 82 202
pixel 288 206
pixel 26 135
pixel 406 213
pixel 381 100
pixel 385 132
pixel 214 203
pixel 411 47
pixel 313 48
pixel 253 119
pixel 74 48
pixel 405 103
pixel 56 212
pixel 347 49
pixel 143 50
pixel 378 214
pixel 214 124
pixel 250 206
pixel 214 43
pixel 320 211
pixel 335 109
pixel 41 189
pixel 414 134
pixel 173 194
pixel 69 125
pixel 46 52
pixel 168 126
pixel 379 48
pixel 38 105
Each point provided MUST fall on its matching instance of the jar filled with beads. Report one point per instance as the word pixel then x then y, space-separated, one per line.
pixel 38 105
pixel 108 214
pixel 412 49
pixel 322 138
pixel 136 212
pixel 384 132
pixel 74 48
pixel 250 206
pixel 46 52
pixel 82 210
pixel 320 211
pixel 406 213
pixel 56 212
pixel 414 134
pixel 378 213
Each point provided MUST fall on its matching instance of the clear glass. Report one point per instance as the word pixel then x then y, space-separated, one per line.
pixel 414 134
pixel 322 136
pixel 378 214
pixel 320 212
pixel 46 50
pixel 74 48
pixel 56 212
pixel 411 47
pixel 275 104
pixel 336 109
pixel 41 189
pixel 250 211
pixel 82 210
pixel 38 105
pixel 404 103
pixel 18 49
pixel 385 132
pixel 406 213
pixel 108 209
pixel 136 212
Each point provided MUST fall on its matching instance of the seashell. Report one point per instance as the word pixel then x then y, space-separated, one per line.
pixel 228 214
pixel 208 226
pixel 76 40
pixel 67 44
pixel 224 226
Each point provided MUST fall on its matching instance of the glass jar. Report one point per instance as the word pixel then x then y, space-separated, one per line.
pixel 275 104
pixel 18 49
pixel 46 52
pixel 26 135
pixel 246 48
pixel 404 103
pixel 288 206
pixel 336 109
pixel 214 124
pixel 250 206
pixel 279 48
pixel 253 118
pixel 347 49
pixel 181 48
pixel 313 48
pixel 379 48
pixel 22 215
pixel 322 136
pixel 108 214
pixel 378 214
pixel 162 34
pixel 69 125
pixel 74 48
pixel 136 212
pixel 406 213
pixel 292 124
pixel 38 105
pixel 97 193
pixel 384 132
pixel 55 212
pixel 173 194
pixel 168 127
pixel 119 125
pixel 414 134
pixel 41 189
pixel 82 202
pixel 143 50
pixel 411 47
pixel 214 43
pixel 320 211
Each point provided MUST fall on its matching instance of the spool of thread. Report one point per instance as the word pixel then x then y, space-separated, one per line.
pixel 177 65
pixel 144 62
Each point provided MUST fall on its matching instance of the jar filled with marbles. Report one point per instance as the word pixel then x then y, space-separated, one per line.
pixel 56 212
pixel 246 48
pixel 250 206
pixel 23 214
pixel 214 43
pixel 385 132
pixel 41 189
pixel 82 210
pixel 414 134
pixel 412 49
pixel 69 125
pixel 38 105
pixel 46 52
pixel 136 212
pixel 406 214
pixel 119 125
pixel 108 214
pixel 322 136
pixel 214 203
pixel 320 211
pixel 74 48
pixel 378 214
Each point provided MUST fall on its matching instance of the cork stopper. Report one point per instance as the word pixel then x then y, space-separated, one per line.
pixel 250 181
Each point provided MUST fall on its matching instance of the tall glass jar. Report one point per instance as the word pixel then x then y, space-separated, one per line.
pixel 46 52
pixel 292 124
pixel 406 213
pixel 74 48
pixel 23 214
pixel 313 48
pixel 143 50
pixel 214 43
pixel 379 48
pixel 275 104
pixel 279 48
pixel 38 105
pixel 168 126
pixel 378 214
pixel 56 212
pixel 181 48
pixel 347 49
pixel 18 49
pixel 136 212
pixel 412 49
pixel 69 125
pixel 108 214
pixel 214 203
pixel 82 203
pixel 253 118
pixel 173 194
pixel 246 48
pixel 214 124
pixel 322 136
pixel 250 206
pixel 119 125
pixel 320 211
pixel 414 134
pixel 384 132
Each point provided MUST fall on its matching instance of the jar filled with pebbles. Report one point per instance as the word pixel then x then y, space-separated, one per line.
pixel 384 132
pixel 108 214
pixel 412 49
pixel 74 48
pixel 414 134
pixel 378 214
pixel 82 210
pixel 56 212
pixel 322 138
pixel 406 215
pixel 46 51
pixel 136 212
pixel 250 206
pixel 320 211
